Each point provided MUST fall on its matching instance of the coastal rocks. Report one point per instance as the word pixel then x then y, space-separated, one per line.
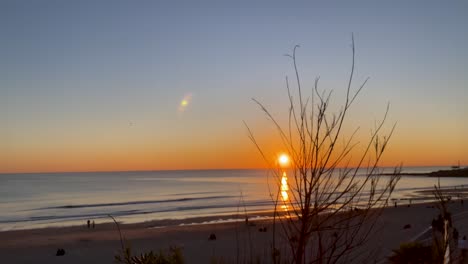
pixel 212 237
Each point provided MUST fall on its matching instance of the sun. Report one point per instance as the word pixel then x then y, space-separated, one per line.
pixel 283 160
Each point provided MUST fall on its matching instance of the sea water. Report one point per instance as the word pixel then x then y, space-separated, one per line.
pixel 35 200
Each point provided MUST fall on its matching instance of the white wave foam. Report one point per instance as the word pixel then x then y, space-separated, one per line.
pixel 229 220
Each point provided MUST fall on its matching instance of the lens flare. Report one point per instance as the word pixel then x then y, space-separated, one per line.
pixel 185 102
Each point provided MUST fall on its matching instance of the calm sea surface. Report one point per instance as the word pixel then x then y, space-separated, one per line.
pixel 59 199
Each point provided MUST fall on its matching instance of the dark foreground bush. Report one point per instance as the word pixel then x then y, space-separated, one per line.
pixel 174 256
pixel 412 252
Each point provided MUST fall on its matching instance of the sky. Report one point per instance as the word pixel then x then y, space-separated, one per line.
pixel 99 85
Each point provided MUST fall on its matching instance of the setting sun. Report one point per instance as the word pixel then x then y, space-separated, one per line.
pixel 283 160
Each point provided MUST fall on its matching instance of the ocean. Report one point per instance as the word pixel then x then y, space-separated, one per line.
pixel 36 200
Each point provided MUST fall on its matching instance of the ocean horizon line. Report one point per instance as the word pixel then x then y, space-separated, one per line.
pixel 208 169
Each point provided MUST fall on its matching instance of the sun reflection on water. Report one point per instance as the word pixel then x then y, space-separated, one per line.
pixel 284 188
pixel 284 191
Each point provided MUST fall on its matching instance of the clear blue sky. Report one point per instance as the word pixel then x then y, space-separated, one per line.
pixel 82 79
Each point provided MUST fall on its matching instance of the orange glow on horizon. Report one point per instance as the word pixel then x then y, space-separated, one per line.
pixel 119 153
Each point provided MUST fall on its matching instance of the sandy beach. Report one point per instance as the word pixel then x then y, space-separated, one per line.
pixel 234 240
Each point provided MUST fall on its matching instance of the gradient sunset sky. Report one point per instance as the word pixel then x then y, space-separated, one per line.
pixel 98 85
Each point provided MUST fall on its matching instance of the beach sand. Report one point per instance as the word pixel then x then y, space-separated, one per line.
pixel 234 240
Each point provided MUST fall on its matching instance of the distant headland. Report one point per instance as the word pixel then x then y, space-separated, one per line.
pixel 460 173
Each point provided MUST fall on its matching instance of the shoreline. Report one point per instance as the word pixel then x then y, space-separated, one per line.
pixel 422 196
pixel 153 224
pixel 99 245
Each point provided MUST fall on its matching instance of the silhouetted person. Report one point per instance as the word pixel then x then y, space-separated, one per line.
pixel 93 224
pixel 89 224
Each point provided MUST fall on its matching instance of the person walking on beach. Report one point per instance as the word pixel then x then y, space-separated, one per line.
pixel 89 223
pixel 93 224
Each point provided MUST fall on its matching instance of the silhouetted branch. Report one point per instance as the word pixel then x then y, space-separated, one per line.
pixel 331 210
